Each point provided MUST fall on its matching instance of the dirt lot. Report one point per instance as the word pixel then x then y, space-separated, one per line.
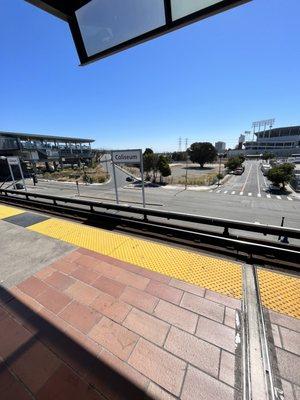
pixel 90 175
pixel 195 174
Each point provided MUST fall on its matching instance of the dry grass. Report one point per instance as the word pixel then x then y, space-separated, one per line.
pixel 199 180
pixel 94 175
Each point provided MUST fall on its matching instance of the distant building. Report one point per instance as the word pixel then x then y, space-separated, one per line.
pixel 242 138
pixel 282 142
pixel 36 148
pixel 220 146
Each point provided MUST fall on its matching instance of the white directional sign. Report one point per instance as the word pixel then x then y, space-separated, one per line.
pixel 126 156
pixel 13 160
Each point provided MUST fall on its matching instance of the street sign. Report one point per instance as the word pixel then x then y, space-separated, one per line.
pixel 126 156
pixel 13 160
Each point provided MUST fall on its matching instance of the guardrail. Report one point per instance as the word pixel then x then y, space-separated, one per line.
pixel 167 215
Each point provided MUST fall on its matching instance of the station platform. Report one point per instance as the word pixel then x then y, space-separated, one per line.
pixel 90 314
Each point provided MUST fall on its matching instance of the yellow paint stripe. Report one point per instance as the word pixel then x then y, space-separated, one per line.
pixel 6 211
pixel 218 275
pixel 280 292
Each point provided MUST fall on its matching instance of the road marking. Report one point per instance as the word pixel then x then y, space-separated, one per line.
pixel 278 197
pixel 210 191
pixel 266 185
pixel 218 191
pixel 226 191
pixel 289 198
pixel 258 185
pixel 241 193
pixel 268 196
pixel 243 188
pixel 249 194
pixel 233 192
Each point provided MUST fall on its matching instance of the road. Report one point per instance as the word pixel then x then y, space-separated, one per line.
pixel 251 183
pixel 242 198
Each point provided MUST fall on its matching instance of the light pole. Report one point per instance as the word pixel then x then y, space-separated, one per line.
pixel 219 175
pixel 186 163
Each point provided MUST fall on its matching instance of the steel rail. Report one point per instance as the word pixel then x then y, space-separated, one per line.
pixel 243 248
pixel 168 215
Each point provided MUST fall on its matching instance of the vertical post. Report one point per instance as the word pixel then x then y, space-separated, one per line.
pixel 219 169
pixel 21 172
pixel 77 186
pixel 186 163
pixel 142 176
pixel 12 175
pixel 115 179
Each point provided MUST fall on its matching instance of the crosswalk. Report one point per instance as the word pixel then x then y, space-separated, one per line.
pixel 250 194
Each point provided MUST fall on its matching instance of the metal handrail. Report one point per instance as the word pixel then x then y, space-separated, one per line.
pixel 169 215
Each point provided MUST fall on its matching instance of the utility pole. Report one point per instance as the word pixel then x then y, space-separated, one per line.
pixel 179 143
pixel 186 164
pixel 220 156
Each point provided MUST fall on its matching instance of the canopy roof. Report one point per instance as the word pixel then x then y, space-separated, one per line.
pixel 101 28
pixel 60 8
pixel 50 138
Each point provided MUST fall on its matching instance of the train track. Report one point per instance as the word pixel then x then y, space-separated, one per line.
pixel 246 249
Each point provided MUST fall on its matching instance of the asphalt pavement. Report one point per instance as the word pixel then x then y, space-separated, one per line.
pixel 243 198
pixel 251 183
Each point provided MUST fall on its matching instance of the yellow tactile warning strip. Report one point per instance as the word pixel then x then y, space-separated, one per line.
pixel 280 292
pixel 6 212
pixel 218 275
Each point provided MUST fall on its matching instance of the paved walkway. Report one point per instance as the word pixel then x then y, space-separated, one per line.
pixel 79 324
pixel 89 326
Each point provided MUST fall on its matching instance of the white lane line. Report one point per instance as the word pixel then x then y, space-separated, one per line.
pixel 278 197
pixel 243 188
pixel 241 193
pixel 289 198
pixel 266 185
pixel 233 192
pixel 268 196
pixel 218 191
pixel 226 191
pixel 249 194
pixel 258 185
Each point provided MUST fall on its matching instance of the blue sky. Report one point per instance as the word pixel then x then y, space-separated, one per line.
pixel 205 82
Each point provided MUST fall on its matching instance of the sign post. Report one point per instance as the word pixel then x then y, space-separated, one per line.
pixel 128 157
pixel 142 176
pixel 115 181
pixel 16 161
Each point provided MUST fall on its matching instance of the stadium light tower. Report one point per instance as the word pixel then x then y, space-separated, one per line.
pixel 262 124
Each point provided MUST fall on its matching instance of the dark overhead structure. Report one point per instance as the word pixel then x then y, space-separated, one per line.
pixel 101 28
pixel 35 148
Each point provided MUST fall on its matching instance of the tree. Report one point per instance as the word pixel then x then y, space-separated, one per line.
pixel 148 160
pixel 155 166
pixel 148 151
pixel 268 156
pixel 202 153
pixel 234 163
pixel 163 167
pixel 242 158
pixel 179 156
pixel 281 174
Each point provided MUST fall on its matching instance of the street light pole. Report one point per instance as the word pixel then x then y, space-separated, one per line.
pixel 220 155
pixel 186 163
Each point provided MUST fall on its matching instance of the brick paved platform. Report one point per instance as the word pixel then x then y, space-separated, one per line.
pixel 92 327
